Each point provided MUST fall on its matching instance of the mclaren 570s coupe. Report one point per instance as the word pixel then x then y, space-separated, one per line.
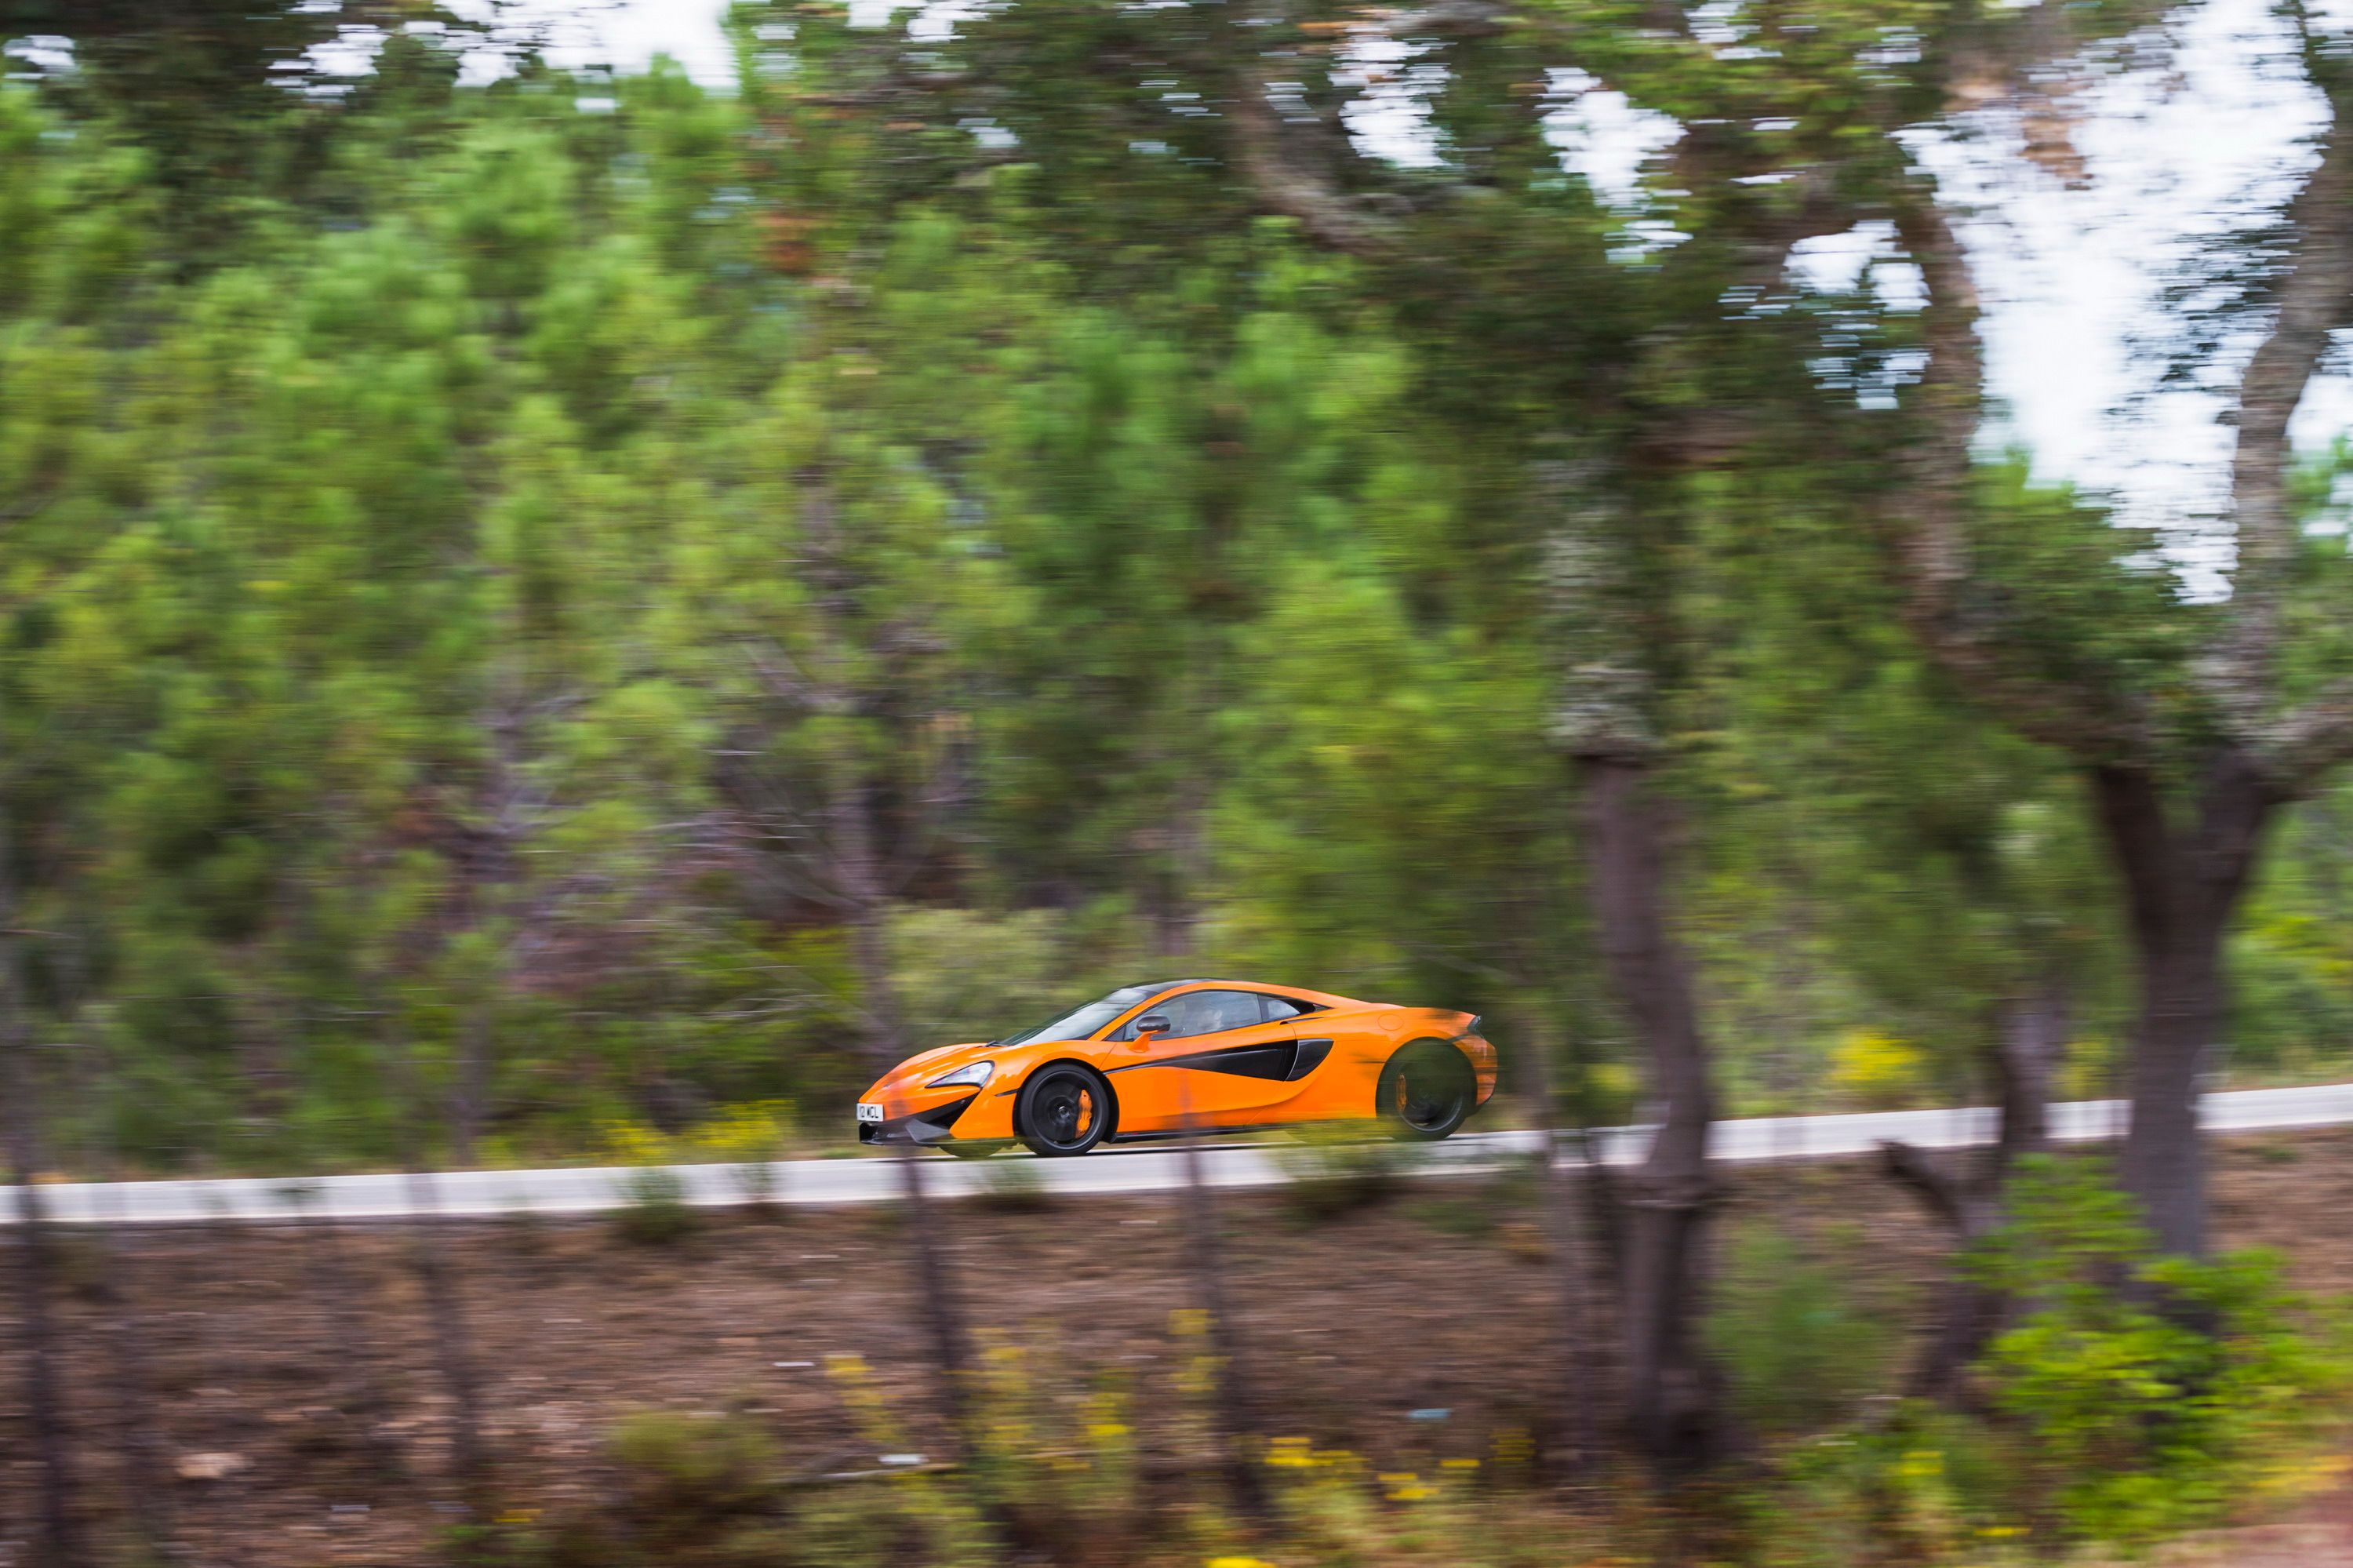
pixel 1211 1055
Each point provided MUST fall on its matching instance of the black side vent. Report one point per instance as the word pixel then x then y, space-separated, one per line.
pixel 1311 1056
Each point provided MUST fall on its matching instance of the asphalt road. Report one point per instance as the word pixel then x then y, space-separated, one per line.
pixel 871 1178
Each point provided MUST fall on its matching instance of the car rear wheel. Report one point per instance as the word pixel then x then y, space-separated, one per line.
pixel 1065 1108
pixel 1427 1090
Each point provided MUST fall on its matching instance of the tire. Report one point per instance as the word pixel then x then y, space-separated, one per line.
pixel 1065 1108
pixel 1427 1090
pixel 968 1150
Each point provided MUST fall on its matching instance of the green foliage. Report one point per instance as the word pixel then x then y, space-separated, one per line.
pixel 464 554
pixel 2156 1392
pixel 654 1210
pixel 1805 1329
pixel 2131 1397
pixel 991 975
pixel 1338 1170
pixel 694 1463
pixel 705 1491
pixel 1012 1186
pixel 2291 959
pixel 1476 1207
pixel 1924 1486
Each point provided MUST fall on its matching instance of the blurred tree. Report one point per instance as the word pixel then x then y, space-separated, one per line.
pixel 2193 723
pixel 1226 390
pixel 45 1411
pixel 236 107
pixel 1569 350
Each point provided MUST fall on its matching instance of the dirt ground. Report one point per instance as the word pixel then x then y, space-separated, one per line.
pixel 1411 1330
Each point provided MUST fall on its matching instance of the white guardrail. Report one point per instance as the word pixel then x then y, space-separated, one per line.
pixel 870 1179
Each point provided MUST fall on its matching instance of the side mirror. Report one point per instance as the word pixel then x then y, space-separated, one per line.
pixel 1151 1023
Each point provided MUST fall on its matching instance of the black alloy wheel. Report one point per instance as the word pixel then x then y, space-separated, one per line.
pixel 1065 1108
pixel 1427 1090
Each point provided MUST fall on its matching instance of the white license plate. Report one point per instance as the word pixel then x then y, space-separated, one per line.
pixel 868 1112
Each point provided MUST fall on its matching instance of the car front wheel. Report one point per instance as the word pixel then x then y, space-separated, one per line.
pixel 1427 1090
pixel 1065 1108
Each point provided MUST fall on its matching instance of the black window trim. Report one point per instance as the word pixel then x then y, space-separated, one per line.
pixel 1110 1033
pixel 1190 988
pixel 1113 1033
pixel 1305 1007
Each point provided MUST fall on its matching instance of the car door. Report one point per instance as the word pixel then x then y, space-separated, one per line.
pixel 1223 1059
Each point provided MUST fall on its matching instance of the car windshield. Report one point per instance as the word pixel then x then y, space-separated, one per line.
pixel 1081 1022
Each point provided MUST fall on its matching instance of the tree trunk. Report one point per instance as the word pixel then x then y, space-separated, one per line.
pixel 1233 1406
pixel 453 1345
pixel 2030 1034
pixel 856 876
pixel 1177 913
pixel 1566 1448
pixel 445 1310
pixel 491 875
pixel 942 1306
pixel 2163 1163
pixel 1673 1391
pixel 360 1400
pixel 61 1539
pixel 471 1096
pixel 2183 886
pixel 138 1416
pixel 19 1119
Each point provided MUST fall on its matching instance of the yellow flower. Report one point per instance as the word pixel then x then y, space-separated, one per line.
pixel 2306 1473
pixel 1920 1464
pixel 634 1143
pixel 1875 1068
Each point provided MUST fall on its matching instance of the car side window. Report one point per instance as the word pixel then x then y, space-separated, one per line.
pixel 1279 1008
pixel 1208 1012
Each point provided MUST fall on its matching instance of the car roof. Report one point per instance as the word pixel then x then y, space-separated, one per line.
pixel 1161 987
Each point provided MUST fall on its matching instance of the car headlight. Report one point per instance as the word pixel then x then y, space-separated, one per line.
pixel 974 1074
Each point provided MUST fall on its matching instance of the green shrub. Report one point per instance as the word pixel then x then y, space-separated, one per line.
pixel 757 1182
pixel 654 1210
pixel 1925 1485
pixel 1012 1187
pixel 2131 1397
pixel 1801 1342
pixel 2154 1392
pixel 687 1467
pixel 1475 1207
pixel 1337 1169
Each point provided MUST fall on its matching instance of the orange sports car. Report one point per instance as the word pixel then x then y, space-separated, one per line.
pixel 1149 1061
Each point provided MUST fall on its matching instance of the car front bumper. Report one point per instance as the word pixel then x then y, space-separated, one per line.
pixel 926 1127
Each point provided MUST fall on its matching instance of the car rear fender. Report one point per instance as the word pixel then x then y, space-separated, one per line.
pixel 1459 1029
